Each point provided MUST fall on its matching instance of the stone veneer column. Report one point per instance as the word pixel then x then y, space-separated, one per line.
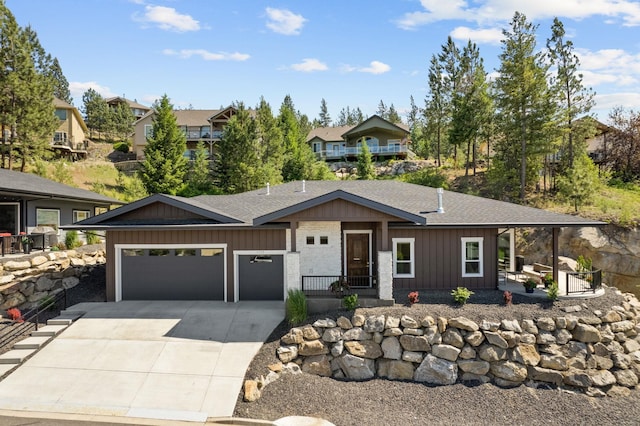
pixel 385 275
pixel 294 280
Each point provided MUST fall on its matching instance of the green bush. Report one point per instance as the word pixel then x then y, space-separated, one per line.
pixel 71 240
pixel 92 237
pixel 429 176
pixel 552 291
pixel 296 307
pixel 350 301
pixel 121 146
pixel 461 295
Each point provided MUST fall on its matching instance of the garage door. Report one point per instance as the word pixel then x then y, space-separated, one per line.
pixel 172 274
pixel 261 277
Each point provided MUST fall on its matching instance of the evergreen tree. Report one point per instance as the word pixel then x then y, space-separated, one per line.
pixel 164 166
pixel 436 112
pixel 382 110
pixel 366 170
pixel 416 124
pixel 272 150
pixel 61 85
pixel 298 160
pixel 574 100
pixel 580 182
pixel 392 115
pixel 96 112
pixel 199 179
pixel 324 118
pixel 120 122
pixel 525 107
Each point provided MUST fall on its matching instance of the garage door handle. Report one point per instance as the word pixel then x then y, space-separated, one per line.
pixel 355 259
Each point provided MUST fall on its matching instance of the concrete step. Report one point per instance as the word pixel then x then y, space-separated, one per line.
pixel 5 368
pixel 49 330
pixel 65 318
pixel 15 356
pixel 33 342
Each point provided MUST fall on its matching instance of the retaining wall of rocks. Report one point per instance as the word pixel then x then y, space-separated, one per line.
pixel 599 355
pixel 26 280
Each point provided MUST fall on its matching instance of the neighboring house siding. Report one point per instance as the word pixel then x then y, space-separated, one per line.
pixel 317 258
pixel 66 209
pixel 264 239
pixel 139 137
pixel 438 259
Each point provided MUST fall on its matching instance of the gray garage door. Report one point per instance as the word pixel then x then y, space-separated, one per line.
pixel 173 274
pixel 261 277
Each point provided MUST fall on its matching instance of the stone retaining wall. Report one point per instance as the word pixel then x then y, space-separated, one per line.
pixel 599 355
pixel 26 280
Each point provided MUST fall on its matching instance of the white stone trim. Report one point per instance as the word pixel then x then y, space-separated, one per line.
pixel 385 275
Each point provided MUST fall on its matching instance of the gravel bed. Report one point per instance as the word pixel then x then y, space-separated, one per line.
pixel 385 402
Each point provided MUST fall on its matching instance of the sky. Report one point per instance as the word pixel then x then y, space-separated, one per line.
pixel 355 53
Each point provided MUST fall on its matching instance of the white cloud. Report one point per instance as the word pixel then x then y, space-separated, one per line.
pixel 310 65
pixel 283 21
pixel 611 100
pixel 167 18
pixel 609 66
pixel 78 88
pixel 206 55
pixel 486 35
pixel 491 11
pixel 376 67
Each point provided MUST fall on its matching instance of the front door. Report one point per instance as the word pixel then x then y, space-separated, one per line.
pixel 358 259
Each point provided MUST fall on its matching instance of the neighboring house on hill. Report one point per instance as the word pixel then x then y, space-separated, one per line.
pixel 69 139
pixel 258 245
pixel 384 140
pixel 138 110
pixel 599 145
pixel 204 125
pixel 28 201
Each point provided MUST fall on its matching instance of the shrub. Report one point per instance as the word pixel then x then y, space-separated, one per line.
pixel 461 295
pixel 552 292
pixel 584 264
pixel 350 301
pixel 121 146
pixel 508 297
pixel 71 240
pixel 429 176
pixel 92 237
pixel 15 314
pixel 530 283
pixel 414 297
pixel 296 307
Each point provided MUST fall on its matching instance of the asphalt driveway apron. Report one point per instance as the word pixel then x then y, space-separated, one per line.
pixel 172 360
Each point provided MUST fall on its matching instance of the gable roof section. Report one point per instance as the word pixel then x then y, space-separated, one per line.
pixel 27 184
pixel 374 122
pixel 329 134
pixel 132 104
pixel 205 214
pixel 60 104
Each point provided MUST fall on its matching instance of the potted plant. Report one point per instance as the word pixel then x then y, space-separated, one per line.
pixel 339 287
pixel 529 285
pixel 27 243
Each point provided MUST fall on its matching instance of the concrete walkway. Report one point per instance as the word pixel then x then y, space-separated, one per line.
pixel 174 360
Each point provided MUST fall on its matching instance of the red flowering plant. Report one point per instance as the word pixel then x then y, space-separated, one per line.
pixel 508 297
pixel 15 314
pixel 413 297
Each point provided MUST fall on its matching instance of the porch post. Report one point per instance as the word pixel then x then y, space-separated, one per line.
pixel 293 226
pixel 385 275
pixel 384 246
pixel 556 233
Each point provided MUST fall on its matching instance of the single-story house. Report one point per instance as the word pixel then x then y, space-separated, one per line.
pixel 28 201
pixel 383 138
pixel 378 235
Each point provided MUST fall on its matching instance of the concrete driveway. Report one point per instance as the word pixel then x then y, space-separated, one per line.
pixel 174 360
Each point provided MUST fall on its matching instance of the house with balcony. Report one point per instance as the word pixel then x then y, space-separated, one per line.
pixel 69 138
pixel 384 139
pixel 138 110
pixel 204 125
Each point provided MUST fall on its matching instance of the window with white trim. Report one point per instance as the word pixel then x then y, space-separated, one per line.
pixel 48 217
pixel 472 258
pixel 79 215
pixel 403 258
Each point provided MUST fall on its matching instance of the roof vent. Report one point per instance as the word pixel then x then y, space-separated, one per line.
pixel 268 188
pixel 440 207
pixel 304 186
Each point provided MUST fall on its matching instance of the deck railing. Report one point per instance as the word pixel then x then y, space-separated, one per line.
pixel 581 282
pixel 320 285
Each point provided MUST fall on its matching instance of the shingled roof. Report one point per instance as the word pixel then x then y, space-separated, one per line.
pixel 27 184
pixel 411 204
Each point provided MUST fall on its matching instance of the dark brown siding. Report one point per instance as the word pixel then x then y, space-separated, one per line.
pixel 438 256
pixel 261 239
pixel 158 210
pixel 339 210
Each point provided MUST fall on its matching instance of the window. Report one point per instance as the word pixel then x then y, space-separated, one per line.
pixel 132 252
pixel 472 257
pixel 79 215
pixel 159 252
pixel 99 210
pixel 48 217
pixel 185 252
pixel 61 114
pixel 403 258
pixel 59 137
pixel 210 252
pixel 148 130
pixel 311 240
pixel 317 146
pixel 324 240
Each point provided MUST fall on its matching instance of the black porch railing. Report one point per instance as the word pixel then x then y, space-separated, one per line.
pixel 581 282
pixel 31 318
pixel 13 244
pixel 322 285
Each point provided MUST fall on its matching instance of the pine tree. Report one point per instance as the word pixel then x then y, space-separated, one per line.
pixel 581 182
pixel 382 110
pixel 199 179
pixel 61 85
pixel 96 111
pixel 164 166
pixel 436 112
pixel 366 170
pixel 525 109
pixel 324 118
pixel 120 122
pixel 392 115
pixel 272 150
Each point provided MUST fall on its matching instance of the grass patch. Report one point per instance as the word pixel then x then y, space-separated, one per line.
pixel 296 307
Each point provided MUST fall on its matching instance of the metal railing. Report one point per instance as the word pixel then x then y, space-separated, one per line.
pixel 354 151
pixel 13 244
pixel 321 285
pixel 31 318
pixel 581 282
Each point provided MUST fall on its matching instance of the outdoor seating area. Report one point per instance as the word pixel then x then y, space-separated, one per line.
pixel 22 243
pixel 570 284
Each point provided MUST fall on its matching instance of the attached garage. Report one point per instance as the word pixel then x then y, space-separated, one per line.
pixel 171 273
pixel 260 276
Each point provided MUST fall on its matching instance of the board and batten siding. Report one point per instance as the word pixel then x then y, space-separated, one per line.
pixel 341 211
pixel 263 239
pixel 438 259
pixel 158 210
